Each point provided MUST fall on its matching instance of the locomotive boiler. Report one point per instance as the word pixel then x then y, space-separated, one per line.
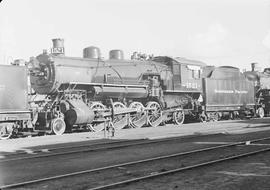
pixel 79 91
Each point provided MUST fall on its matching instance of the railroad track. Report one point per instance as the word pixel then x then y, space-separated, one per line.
pixel 93 147
pixel 62 150
pixel 117 175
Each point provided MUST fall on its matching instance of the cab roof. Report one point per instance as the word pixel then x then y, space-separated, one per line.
pixel 180 60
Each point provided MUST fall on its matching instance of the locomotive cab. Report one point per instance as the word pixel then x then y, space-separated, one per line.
pixel 182 84
pixel 185 74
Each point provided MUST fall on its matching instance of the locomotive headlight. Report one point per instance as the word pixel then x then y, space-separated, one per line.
pixel 38 72
pixel 42 73
pixel 45 73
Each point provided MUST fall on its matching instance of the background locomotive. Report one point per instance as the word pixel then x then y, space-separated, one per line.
pixel 261 81
pixel 90 91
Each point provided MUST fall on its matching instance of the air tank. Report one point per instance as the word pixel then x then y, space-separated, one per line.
pixel 116 54
pixel 91 52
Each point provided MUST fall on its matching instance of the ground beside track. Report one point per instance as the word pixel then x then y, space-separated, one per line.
pixel 250 173
pixel 228 127
pixel 24 170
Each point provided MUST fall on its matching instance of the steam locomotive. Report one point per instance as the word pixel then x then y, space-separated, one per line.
pixel 261 81
pixel 89 92
pixel 79 89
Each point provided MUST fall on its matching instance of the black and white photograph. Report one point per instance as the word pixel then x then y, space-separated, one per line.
pixel 135 94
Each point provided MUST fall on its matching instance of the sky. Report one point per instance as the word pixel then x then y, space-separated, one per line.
pixel 217 32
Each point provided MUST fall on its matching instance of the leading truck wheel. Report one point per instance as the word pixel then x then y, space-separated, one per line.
pixel 58 126
pixel 179 117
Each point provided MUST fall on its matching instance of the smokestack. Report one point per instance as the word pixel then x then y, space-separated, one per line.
pixel 253 66
pixel 58 47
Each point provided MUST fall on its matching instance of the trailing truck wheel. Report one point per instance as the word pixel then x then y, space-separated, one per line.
pixel 154 114
pixel 179 117
pixel 140 118
pixel 58 126
pixel 260 112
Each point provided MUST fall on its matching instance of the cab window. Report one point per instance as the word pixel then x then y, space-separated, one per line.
pixel 194 71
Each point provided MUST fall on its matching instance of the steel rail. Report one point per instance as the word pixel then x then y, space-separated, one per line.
pixel 93 149
pixel 181 169
pixel 70 147
pixel 24 151
pixel 20 184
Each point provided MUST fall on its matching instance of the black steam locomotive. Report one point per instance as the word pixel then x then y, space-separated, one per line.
pixel 90 91
pixel 80 89
pixel 261 81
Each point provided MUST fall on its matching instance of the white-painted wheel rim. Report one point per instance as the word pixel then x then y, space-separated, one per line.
pixel 138 119
pixel 119 121
pixel 155 115
pixel 97 107
pixel 179 117
pixel 58 126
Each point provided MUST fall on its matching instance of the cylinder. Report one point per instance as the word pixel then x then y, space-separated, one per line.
pixel 77 116
pixel 116 54
pixel 91 52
